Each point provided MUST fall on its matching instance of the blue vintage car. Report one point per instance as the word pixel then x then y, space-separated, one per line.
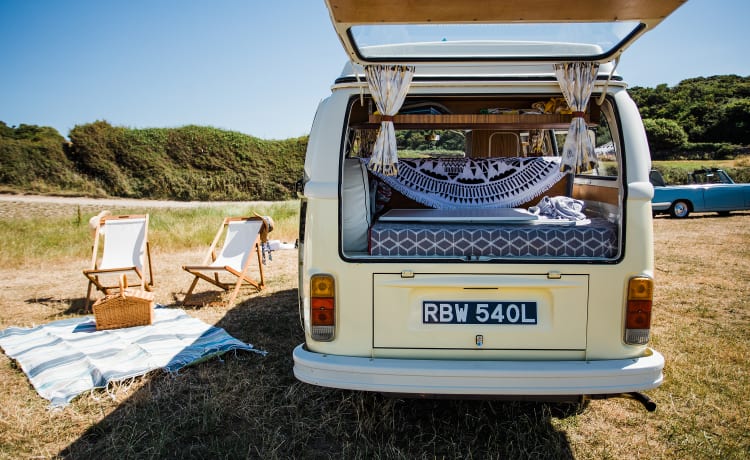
pixel 710 190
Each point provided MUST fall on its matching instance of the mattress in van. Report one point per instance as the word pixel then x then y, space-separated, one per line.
pixel 597 239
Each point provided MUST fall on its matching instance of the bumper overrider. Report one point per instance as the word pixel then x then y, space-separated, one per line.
pixel 491 378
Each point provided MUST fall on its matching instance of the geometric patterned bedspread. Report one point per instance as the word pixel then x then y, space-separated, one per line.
pixel 595 240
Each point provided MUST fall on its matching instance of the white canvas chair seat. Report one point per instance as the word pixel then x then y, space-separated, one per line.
pixel 229 269
pixel 124 251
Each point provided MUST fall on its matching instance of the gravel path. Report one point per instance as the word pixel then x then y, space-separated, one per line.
pixel 13 206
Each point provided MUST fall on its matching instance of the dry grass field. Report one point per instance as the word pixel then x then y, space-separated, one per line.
pixel 250 406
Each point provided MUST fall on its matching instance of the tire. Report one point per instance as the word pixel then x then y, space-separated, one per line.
pixel 680 209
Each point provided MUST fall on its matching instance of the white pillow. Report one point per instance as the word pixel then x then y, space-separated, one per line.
pixel 355 206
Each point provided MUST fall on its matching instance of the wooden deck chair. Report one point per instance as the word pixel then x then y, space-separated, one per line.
pixel 241 240
pixel 125 247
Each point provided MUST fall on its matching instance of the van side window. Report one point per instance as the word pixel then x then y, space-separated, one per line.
pixel 604 148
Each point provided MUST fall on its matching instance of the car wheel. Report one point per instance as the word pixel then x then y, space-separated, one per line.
pixel 679 209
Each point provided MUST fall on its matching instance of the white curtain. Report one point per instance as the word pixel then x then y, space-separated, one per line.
pixel 576 80
pixel 388 86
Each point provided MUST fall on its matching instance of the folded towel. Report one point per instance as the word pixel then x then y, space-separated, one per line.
pixel 559 207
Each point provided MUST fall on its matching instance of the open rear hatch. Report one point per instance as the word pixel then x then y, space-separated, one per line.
pixel 376 31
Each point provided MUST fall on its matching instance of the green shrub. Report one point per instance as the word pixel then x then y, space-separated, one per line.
pixel 188 163
pixel 32 158
pixel 94 149
pixel 664 134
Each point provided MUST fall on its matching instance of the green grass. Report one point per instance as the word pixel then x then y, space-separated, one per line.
pixel 247 406
pixel 676 172
pixel 179 229
pixel 690 165
pixel 66 235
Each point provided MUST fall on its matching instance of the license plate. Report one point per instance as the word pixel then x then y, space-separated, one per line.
pixel 452 312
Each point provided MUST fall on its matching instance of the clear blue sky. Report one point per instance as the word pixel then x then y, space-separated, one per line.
pixel 258 67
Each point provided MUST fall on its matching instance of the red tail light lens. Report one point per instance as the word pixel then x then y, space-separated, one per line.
pixel 322 312
pixel 639 314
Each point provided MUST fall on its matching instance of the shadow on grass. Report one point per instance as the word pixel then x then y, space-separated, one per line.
pixel 72 306
pixel 249 406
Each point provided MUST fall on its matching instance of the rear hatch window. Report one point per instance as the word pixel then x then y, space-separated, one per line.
pixel 475 30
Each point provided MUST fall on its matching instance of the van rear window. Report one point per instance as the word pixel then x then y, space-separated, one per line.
pixel 479 188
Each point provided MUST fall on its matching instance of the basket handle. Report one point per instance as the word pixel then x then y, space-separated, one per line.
pixel 123 281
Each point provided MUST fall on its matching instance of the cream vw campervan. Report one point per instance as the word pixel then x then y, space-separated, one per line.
pixel 476 217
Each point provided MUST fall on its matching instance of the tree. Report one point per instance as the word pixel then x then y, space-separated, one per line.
pixel 732 123
pixel 709 109
pixel 664 134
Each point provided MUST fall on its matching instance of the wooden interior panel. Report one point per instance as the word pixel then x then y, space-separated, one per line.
pixel 561 188
pixel 466 114
pixel 588 192
pixel 467 121
pixel 486 144
pixel 483 11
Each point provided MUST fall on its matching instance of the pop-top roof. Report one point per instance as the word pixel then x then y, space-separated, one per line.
pixel 402 31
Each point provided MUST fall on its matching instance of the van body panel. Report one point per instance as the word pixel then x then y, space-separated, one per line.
pixel 518 312
pixel 320 166
pixel 635 143
pixel 473 75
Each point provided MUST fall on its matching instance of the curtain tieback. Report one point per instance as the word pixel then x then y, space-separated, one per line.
pixel 386 118
pixel 578 114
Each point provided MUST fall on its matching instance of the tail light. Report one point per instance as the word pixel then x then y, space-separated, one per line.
pixel 638 310
pixel 322 307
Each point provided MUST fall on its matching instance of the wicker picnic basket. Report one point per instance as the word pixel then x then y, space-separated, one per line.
pixel 128 308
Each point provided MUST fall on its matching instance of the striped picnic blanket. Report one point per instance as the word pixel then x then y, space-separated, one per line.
pixel 65 358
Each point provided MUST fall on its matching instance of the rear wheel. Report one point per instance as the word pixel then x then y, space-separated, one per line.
pixel 680 209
